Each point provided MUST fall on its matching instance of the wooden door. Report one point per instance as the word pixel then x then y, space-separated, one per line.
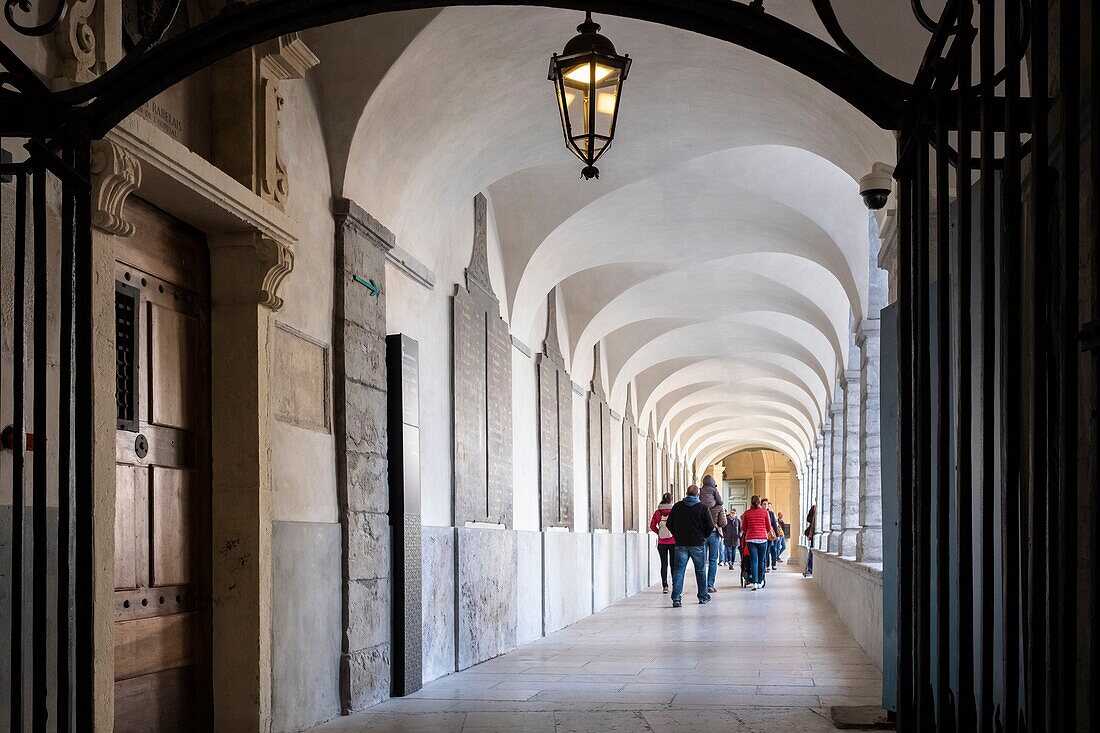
pixel 162 608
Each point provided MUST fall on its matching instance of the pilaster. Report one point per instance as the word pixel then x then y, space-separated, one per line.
pixel 869 541
pixel 852 437
pixel 836 468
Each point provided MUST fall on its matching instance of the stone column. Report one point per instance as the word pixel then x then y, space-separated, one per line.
pixel 823 512
pixel 819 483
pixel 869 541
pixel 836 468
pixel 852 438
pixel 361 432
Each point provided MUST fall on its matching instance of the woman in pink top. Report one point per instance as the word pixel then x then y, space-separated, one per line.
pixel 665 541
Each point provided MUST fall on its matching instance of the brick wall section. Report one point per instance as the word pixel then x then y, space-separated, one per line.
pixel 359 397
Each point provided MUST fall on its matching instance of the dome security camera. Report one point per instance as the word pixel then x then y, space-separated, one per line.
pixel 875 187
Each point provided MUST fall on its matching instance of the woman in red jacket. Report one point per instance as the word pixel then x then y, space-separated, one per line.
pixel 755 523
pixel 665 541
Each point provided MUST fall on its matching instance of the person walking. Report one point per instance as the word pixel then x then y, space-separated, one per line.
pixel 773 537
pixel 715 545
pixel 731 536
pixel 709 494
pixel 755 526
pixel 811 529
pixel 665 541
pixel 690 524
pixel 784 532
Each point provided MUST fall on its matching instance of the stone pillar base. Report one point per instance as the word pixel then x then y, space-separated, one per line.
pixel 834 542
pixel 848 539
pixel 869 545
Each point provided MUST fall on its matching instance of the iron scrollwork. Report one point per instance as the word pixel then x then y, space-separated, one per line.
pixel 25 7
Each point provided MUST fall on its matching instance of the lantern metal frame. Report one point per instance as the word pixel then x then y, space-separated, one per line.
pixel 589 48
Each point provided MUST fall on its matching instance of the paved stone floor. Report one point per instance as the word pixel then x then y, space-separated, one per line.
pixel 770 660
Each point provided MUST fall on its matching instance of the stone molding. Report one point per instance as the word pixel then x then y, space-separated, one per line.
pixel 276 262
pixel 115 175
pixel 349 213
pixel 189 187
pixel 477 272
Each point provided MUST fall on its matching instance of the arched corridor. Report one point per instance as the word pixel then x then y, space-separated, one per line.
pixel 351 377
pixel 775 660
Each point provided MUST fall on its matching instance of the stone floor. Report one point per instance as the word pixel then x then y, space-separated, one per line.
pixel 771 660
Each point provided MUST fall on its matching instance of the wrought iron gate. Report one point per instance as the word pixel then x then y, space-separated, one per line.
pixel 998 391
pixel 50 401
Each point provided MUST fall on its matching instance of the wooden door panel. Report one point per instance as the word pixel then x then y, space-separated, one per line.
pixel 126 567
pixel 171 379
pixel 173 526
pixel 162 701
pixel 154 644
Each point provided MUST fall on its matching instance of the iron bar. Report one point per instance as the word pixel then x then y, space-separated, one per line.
pixel 66 483
pixel 1067 279
pixel 18 447
pixel 964 444
pixel 987 350
pixel 1037 625
pixel 906 610
pixel 40 559
pixel 945 703
pixel 1010 254
pixel 923 431
pixel 83 431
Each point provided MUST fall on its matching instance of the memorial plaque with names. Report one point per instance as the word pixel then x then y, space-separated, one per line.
pixel 482 381
pixel 630 468
pixel 652 487
pixel 555 410
pixel 599 450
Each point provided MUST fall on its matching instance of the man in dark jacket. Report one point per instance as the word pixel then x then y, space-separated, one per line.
pixel 691 524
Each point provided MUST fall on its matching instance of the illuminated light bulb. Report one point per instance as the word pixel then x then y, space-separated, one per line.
pixel 582 73
pixel 606 102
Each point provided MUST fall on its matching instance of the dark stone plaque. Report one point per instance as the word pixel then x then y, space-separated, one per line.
pixel 599 450
pixel 406 614
pixel 482 380
pixel 555 410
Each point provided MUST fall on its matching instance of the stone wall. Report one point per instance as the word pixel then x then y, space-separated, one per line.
pixel 855 590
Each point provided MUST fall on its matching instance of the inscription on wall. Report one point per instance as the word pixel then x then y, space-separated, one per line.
pixel 653 488
pixel 599 450
pixel 555 412
pixel 630 468
pixel 301 379
pixel 482 379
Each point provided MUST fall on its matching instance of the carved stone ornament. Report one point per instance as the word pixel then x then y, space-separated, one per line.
pixel 115 175
pixel 477 272
pixel 276 261
pixel 76 41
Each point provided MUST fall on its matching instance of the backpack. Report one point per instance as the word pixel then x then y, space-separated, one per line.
pixel 662 528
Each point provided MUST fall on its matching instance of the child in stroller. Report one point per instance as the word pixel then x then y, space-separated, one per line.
pixel 744 549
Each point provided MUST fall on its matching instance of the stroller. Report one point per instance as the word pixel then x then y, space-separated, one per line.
pixel 745 560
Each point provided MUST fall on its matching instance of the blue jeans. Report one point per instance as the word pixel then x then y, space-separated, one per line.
pixel 679 567
pixel 758 552
pixel 729 552
pixel 714 551
pixel 782 546
pixel 772 558
pixel 810 561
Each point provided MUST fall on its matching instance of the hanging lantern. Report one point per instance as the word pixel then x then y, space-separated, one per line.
pixel 588 79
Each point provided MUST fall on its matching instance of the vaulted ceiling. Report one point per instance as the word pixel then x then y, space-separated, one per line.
pixel 720 260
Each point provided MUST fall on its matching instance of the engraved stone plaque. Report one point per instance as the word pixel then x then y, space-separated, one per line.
pixel 301 379
pixel 555 411
pixel 482 381
pixel 630 468
pixel 599 451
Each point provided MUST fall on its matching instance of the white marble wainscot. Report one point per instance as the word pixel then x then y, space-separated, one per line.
pixel 855 590
pixel 305 624
pixel 438 558
pixel 485 587
pixel 635 563
pixel 567 578
pixel 608 569
pixel 528 586
pixel 649 541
